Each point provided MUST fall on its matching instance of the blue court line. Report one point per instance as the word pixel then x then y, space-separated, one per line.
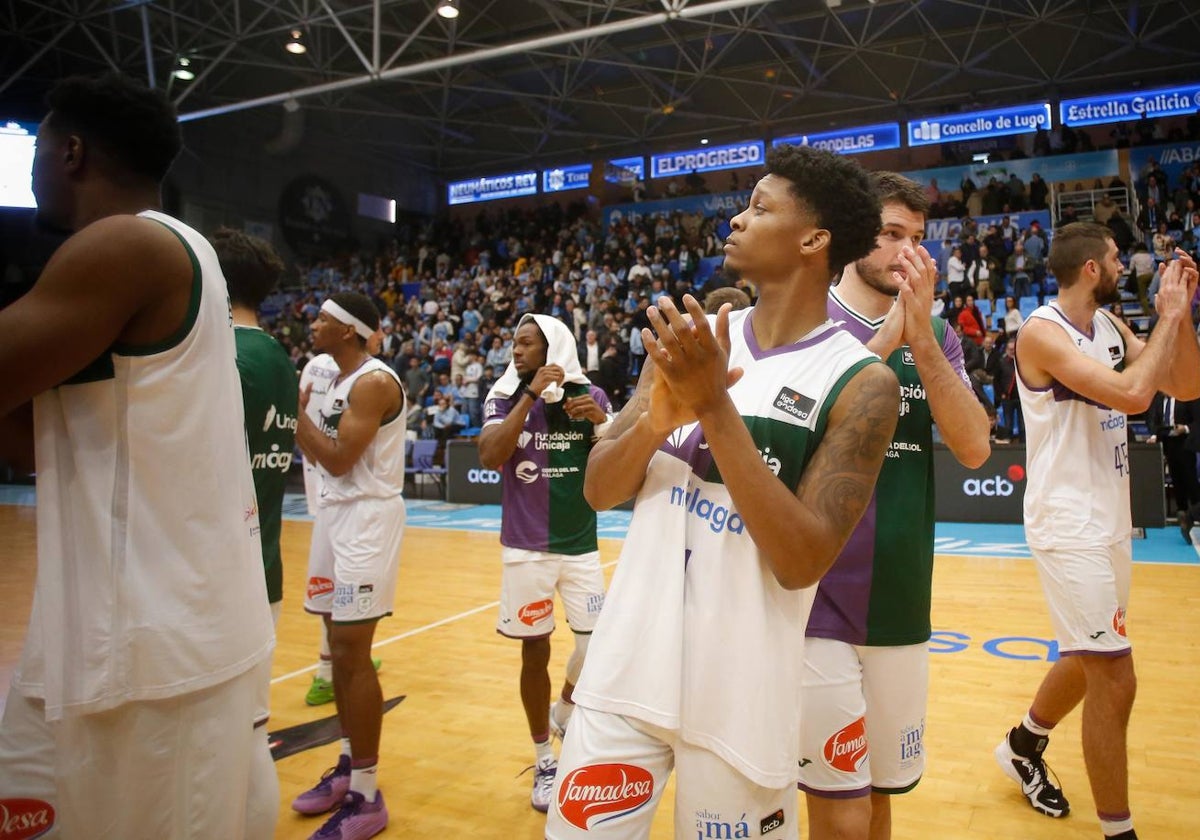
pixel 969 539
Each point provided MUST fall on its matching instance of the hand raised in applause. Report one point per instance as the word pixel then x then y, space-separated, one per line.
pixel 691 362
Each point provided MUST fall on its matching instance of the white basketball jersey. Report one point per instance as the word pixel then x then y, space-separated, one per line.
pixel 379 472
pixel 150 578
pixel 1077 458
pixel 319 373
pixel 696 634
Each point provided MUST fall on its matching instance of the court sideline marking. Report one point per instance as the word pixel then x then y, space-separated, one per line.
pixel 413 632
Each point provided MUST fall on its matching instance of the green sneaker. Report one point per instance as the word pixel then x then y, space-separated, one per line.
pixel 321 691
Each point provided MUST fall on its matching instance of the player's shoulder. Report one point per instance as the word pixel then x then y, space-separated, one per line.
pixel 873 378
pixel 125 247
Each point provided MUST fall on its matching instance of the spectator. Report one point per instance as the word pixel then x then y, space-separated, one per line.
pixel 1012 316
pixel 971 321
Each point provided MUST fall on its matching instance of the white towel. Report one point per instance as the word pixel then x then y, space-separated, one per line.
pixel 560 351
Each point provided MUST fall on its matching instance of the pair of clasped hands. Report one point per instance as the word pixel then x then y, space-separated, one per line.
pixel 690 363
pixel 909 321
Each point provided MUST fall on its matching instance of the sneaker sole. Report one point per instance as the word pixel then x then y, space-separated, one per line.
pixel 1004 757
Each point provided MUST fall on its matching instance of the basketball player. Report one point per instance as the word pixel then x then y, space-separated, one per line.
pixel 269 401
pixel 359 450
pixel 1081 371
pixel 753 444
pixel 866 672
pixel 541 419
pixel 316 378
pixel 131 712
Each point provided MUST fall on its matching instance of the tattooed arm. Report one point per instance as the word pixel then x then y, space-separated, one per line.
pixel 800 535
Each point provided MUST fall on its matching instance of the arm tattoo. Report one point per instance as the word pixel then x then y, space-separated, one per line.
pixel 839 482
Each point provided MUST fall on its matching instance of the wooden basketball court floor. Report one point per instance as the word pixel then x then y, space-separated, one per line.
pixel 453 750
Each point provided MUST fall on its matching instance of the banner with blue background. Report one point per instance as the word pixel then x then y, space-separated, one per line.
pixel 729 204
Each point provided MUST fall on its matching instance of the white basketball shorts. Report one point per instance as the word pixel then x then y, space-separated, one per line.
pixel 527 592
pixel 862 718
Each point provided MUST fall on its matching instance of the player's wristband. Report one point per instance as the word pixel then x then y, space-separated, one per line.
pixel 529 392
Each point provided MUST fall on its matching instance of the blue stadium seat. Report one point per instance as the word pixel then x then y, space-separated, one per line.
pixel 990 392
pixel 422 464
pixel 985 307
pixel 1027 304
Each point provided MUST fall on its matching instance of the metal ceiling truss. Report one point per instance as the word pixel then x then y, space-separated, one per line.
pixel 546 82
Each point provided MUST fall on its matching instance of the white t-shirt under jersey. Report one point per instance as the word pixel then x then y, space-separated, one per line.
pixel 319 373
pixel 379 471
pixel 1077 461
pixel 150 581
pixel 696 635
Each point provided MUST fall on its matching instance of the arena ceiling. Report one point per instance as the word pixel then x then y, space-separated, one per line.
pixel 515 83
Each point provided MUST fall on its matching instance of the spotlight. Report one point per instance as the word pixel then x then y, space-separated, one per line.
pixel 448 9
pixel 183 70
pixel 703 141
pixel 296 46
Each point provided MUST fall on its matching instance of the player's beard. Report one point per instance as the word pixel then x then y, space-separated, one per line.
pixel 877 278
pixel 1107 291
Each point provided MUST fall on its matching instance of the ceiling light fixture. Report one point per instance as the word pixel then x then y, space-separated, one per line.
pixel 296 45
pixel 183 70
pixel 448 9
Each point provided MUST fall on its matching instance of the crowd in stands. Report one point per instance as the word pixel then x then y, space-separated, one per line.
pixel 451 293
pixel 451 296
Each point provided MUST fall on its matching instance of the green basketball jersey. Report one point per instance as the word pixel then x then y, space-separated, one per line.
pixel 270 397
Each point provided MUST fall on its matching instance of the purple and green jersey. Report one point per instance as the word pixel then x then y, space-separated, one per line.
pixel 542 503
pixel 878 590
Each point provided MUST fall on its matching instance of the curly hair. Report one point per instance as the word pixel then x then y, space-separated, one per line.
pixel 133 125
pixel 838 192
pixel 250 265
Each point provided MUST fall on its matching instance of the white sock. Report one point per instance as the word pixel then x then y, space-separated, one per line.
pixel 346 747
pixel 1033 727
pixel 325 662
pixel 364 781
pixel 544 752
pixel 1112 828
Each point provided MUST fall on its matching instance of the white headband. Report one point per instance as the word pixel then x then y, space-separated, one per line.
pixel 346 318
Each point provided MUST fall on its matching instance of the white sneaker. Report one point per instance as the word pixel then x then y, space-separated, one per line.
pixel 543 784
pixel 557 730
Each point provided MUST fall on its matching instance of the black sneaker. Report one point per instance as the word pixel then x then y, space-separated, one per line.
pixel 1030 773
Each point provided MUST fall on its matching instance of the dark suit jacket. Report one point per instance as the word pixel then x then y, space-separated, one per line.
pixel 1187 413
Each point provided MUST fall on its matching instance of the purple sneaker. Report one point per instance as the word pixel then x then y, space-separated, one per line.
pixel 328 793
pixel 357 819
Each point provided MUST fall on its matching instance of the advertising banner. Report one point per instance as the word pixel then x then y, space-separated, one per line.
pixel 848 141
pixel 1132 105
pixel 563 178
pixel 996 491
pixel 948 128
pixel 708 159
pixel 492 187
pixel 730 204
